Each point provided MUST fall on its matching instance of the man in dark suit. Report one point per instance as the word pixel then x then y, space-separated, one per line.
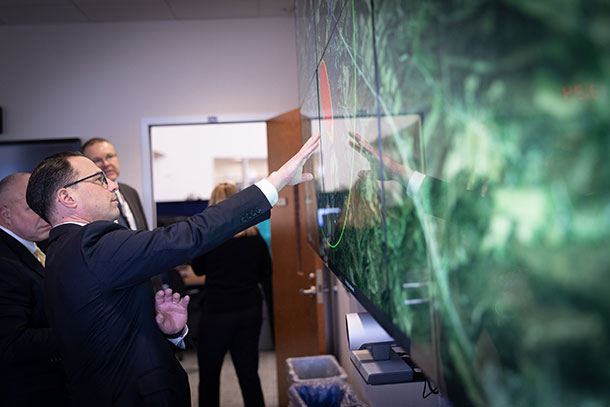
pixel 31 372
pixel 96 290
pixel 131 213
pixel 102 153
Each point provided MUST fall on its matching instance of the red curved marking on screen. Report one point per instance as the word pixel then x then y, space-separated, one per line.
pixel 326 102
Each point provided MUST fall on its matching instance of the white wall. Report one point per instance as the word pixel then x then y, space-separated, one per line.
pixel 102 79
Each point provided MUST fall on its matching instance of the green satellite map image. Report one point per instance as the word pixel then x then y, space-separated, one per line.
pixel 463 184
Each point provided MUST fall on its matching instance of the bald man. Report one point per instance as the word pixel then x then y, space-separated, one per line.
pixel 31 371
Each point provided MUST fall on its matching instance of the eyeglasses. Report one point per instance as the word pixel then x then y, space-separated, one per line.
pixel 108 157
pixel 98 178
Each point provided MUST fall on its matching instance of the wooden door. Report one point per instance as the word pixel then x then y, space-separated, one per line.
pixel 298 309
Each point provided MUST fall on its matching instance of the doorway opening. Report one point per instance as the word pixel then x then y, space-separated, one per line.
pixel 187 160
pixel 190 159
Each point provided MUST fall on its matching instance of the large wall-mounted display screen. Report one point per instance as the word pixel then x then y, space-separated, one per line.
pixel 462 188
pixel 24 156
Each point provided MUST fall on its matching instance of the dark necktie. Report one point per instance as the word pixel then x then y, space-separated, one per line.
pixel 122 219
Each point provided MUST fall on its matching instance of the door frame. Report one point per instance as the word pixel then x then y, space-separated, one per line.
pixel 146 123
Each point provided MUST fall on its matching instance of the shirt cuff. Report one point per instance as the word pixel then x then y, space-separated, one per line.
pixel 179 341
pixel 414 184
pixel 268 190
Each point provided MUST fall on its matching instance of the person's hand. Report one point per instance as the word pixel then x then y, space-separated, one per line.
pixel 291 173
pixel 392 169
pixel 171 311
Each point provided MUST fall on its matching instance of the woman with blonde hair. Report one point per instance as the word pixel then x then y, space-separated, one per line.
pixel 231 310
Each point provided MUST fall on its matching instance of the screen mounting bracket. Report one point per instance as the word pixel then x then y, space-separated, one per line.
pixel 372 351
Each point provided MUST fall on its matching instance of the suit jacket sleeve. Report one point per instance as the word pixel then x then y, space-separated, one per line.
pixel 20 340
pixel 121 258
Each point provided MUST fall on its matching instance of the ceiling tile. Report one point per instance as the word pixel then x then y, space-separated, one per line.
pixel 41 14
pixel 276 8
pixel 210 9
pixel 126 11
pixel 115 2
pixel 34 2
pixel 15 12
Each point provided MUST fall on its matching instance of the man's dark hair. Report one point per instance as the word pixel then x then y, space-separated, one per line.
pixel 47 178
pixel 91 142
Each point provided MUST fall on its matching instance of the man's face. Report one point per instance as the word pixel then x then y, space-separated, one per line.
pixel 104 156
pixel 95 200
pixel 19 218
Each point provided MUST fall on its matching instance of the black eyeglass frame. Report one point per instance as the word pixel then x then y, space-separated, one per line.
pixel 97 174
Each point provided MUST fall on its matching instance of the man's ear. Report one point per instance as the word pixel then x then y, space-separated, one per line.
pixel 5 215
pixel 66 199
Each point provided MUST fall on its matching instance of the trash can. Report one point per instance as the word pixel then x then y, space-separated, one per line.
pixel 319 381
pixel 323 393
pixel 308 368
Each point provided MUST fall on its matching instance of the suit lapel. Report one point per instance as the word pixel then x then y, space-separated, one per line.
pixel 132 199
pixel 22 254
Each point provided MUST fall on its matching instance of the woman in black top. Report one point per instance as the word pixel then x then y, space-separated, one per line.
pixel 231 310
